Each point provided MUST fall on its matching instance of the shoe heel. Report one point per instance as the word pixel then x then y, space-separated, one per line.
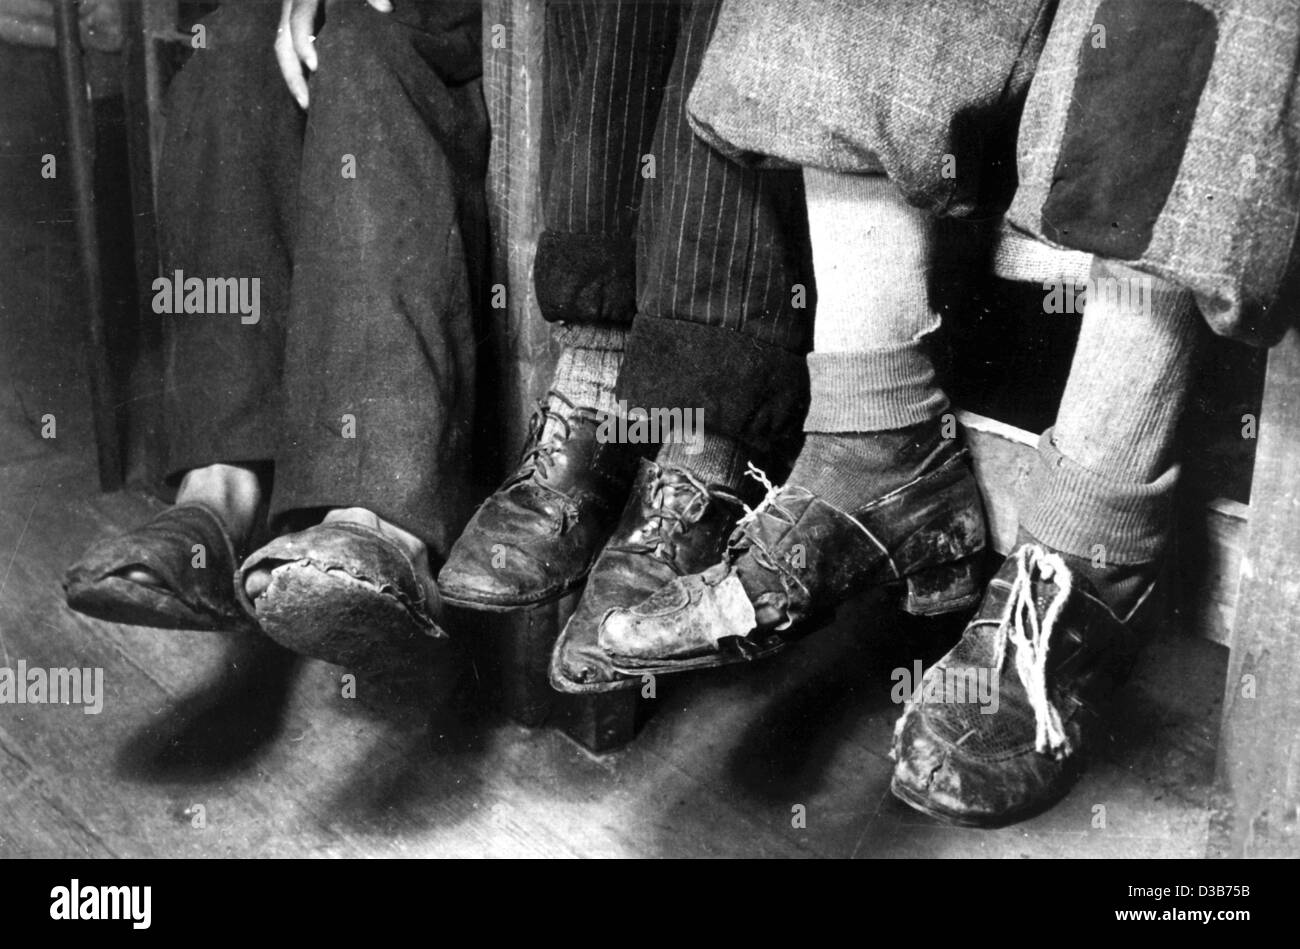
pixel 944 589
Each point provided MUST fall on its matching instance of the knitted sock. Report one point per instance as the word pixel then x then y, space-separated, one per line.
pixel 871 258
pixel 587 370
pixel 1104 487
pixel 873 422
pixel 714 459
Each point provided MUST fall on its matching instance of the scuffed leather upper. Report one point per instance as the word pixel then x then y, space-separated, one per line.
pixel 672 525
pixel 799 557
pixel 193 594
pixel 536 537
pixel 968 767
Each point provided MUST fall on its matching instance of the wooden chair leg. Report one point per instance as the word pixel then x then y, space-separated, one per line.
pixel 1258 775
pixel 81 148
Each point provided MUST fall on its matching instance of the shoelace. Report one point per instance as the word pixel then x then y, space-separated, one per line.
pixel 762 556
pixel 539 456
pixel 1020 627
pixel 769 497
pixel 769 503
pixel 664 522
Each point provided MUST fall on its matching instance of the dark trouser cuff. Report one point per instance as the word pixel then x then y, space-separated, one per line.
pixel 873 391
pixel 585 278
pixel 750 391
pixel 1073 509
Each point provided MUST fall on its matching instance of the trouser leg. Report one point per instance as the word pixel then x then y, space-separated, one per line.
pixel 227 198
pixel 379 367
pixel 724 284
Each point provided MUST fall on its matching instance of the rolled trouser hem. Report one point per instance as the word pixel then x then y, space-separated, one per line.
pixel 873 390
pixel 1075 510
pixel 749 390
pixel 585 278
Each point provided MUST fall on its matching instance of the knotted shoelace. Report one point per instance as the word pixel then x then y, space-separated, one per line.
pixel 538 456
pixel 1021 627
pixel 664 523
pixel 770 492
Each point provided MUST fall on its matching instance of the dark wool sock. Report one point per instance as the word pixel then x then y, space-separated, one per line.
pixel 716 460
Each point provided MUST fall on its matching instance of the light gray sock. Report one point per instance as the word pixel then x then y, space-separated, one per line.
pixel 1104 486
pixel 587 371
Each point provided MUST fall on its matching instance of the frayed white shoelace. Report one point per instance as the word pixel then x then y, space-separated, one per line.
pixel 1021 628
pixel 769 501
pixel 769 496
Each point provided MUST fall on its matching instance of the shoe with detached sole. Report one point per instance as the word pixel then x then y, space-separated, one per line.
pixel 793 560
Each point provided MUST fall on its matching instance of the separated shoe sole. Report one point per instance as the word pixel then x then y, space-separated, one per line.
pixel 347 594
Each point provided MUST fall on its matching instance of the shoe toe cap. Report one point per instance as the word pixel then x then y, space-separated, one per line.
pixel 948 781
pixel 579 661
pixel 495 571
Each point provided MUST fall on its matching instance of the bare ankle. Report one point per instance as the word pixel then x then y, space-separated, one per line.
pixel 233 491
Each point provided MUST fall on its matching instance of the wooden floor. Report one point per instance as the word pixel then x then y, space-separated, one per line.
pixel 282 764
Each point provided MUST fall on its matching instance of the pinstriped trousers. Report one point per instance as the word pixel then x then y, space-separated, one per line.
pixel 647 227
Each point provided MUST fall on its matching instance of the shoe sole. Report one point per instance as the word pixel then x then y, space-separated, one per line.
pixel 500 606
pixel 331 615
pixel 561 683
pixel 919 802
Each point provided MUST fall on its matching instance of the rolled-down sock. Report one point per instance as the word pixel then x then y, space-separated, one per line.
pixel 1103 490
pixel 873 421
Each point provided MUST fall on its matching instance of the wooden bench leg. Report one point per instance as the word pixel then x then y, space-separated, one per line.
pixel 511 653
pixel 1258 775
pixel 600 723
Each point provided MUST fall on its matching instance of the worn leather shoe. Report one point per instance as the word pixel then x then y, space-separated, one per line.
pixel 189 592
pixel 536 537
pixel 672 526
pixel 999 727
pixel 795 559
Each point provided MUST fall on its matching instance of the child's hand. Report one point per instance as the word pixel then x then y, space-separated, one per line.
pixel 295 44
